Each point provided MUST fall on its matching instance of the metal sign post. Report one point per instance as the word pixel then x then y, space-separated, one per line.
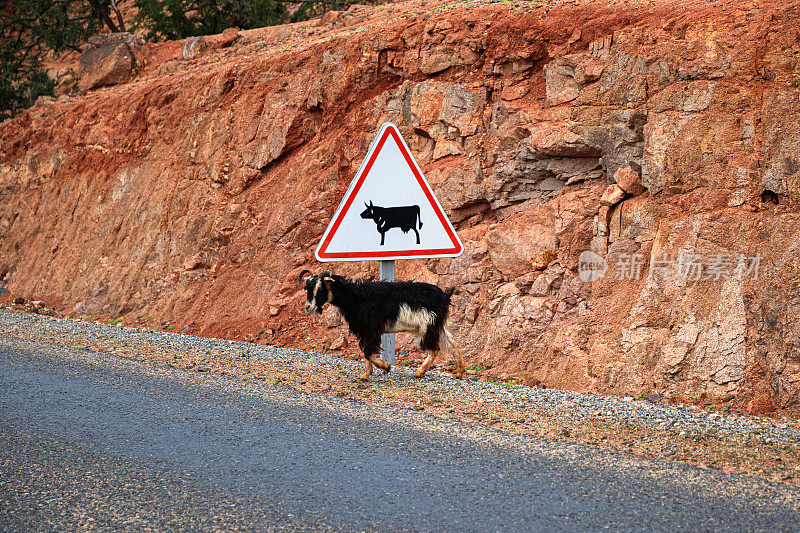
pixel 387 339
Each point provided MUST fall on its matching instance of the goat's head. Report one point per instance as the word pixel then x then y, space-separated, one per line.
pixel 317 288
pixel 369 212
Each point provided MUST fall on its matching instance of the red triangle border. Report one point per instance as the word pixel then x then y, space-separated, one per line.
pixel 457 248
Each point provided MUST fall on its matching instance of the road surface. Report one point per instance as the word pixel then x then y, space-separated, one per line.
pixel 92 440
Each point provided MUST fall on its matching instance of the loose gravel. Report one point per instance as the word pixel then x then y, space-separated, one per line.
pixel 737 444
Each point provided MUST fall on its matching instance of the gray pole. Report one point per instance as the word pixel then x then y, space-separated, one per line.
pixel 387 339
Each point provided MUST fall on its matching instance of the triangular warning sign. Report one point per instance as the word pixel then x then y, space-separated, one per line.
pixel 389 211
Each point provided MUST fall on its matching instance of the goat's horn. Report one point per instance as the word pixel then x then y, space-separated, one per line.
pixel 300 277
pixel 326 273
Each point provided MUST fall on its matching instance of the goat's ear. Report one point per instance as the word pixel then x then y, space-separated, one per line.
pixel 326 276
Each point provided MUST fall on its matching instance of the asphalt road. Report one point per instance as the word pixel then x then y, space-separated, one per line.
pixel 90 440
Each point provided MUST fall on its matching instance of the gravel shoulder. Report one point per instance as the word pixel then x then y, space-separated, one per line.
pixel 747 445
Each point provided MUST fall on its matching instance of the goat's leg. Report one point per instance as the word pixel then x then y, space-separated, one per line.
pixel 370 346
pixel 426 364
pixel 383 235
pixel 367 371
pixel 416 233
pixel 456 350
pixel 380 363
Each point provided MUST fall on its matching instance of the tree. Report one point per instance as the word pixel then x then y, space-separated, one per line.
pixel 29 28
pixel 178 19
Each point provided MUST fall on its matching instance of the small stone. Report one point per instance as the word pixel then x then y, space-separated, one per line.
pixel 757 406
pixel 612 195
pixel 540 260
pixel 43 100
pixel 194 262
pixel 654 397
pixel 229 36
pixel 514 92
pixel 193 47
pixel 338 343
pixel 333 318
pixel 629 180
pixel 19 301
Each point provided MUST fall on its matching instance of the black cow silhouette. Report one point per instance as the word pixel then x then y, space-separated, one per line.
pixel 386 218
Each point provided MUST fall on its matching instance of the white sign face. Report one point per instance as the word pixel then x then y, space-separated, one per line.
pixel 389 211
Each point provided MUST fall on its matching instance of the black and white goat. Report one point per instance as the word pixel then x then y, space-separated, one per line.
pixel 372 308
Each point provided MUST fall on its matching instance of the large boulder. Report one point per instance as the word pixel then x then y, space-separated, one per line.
pixel 108 60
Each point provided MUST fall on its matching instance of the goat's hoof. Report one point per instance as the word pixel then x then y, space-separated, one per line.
pixel 362 379
pixel 388 369
pixel 418 375
pixel 458 375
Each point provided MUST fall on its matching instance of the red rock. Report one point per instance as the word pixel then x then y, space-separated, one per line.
pixel 229 36
pixel 108 60
pixel 613 195
pixel 515 92
pixel 194 262
pixel 333 318
pixel 760 405
pixel 339 343
pixel 193 47
pixel 629 181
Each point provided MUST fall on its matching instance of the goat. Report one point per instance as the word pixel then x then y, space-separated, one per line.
pixel 386 218
pixel 372 308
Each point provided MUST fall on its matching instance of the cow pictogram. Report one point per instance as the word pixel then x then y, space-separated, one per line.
pixel 386 218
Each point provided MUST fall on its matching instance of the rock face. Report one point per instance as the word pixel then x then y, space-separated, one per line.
pixel 648 135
